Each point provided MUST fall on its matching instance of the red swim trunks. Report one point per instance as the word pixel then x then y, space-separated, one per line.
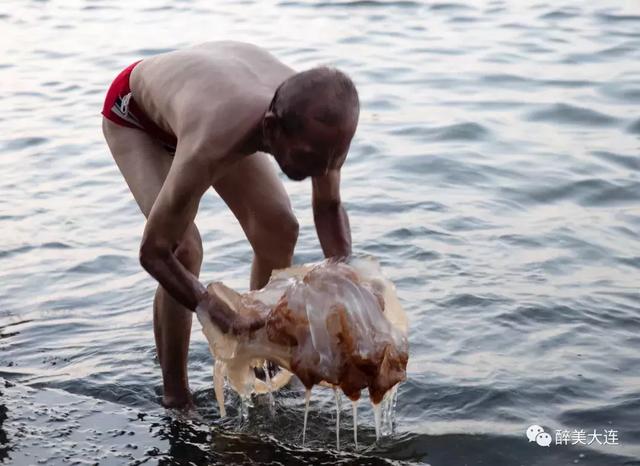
pixel 120 108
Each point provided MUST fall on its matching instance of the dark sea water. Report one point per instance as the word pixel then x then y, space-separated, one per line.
pixel 495 174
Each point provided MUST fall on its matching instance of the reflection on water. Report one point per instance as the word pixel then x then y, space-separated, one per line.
pixel 495 174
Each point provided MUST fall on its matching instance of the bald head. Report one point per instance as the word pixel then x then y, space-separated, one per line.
pixel 310 122
pixel 320 95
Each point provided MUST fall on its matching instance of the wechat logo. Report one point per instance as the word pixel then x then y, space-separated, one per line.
pixel 537 434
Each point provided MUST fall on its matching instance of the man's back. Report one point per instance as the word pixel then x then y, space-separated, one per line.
pixel 216 84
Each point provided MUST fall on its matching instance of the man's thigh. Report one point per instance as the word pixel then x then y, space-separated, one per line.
pixel 257 198
pixel 143 162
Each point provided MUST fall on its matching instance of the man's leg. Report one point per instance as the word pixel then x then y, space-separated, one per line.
pixel 144 163
pixel 257 197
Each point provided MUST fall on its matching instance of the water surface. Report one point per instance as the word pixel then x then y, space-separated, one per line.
pixel 495 174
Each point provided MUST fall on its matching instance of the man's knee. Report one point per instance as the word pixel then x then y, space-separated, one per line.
pixel 189 251
pixel 275 239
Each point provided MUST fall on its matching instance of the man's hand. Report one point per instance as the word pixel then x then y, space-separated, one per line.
pixel 243 324
pixel 226 318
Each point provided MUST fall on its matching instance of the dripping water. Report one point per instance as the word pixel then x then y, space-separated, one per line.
pixel 384 413
pixel 389 411
pixel 244 411
pixel 392 410
pixel 376 416
pixel 384 424
pixel 338 409
pixel 354 405
pixel 307 396
pixel 267 377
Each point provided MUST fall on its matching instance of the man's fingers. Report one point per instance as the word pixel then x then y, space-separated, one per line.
pixel 243 325
pixel 256 324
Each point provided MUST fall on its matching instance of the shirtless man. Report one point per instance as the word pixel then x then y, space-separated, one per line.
pixel 183 121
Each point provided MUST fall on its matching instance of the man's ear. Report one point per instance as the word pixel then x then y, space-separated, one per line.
pixel 269 126
pixel 270 123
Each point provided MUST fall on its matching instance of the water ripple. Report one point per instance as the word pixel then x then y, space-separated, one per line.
pixel 570 114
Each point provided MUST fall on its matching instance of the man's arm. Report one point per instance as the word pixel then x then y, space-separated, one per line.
pixel 329 215
pixel 174 209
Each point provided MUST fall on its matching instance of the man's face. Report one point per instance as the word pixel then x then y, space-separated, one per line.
pixel 312 151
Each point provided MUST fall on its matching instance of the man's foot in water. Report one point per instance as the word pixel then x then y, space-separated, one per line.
pixel 183 403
